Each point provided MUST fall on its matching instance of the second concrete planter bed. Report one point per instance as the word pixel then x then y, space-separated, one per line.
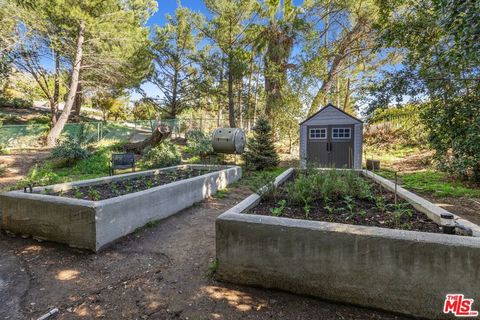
pixel 407 272
pixel 94 224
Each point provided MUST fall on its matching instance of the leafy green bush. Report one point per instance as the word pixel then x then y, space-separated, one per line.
pixel 96 165
pixel 69 151
pixel 198 144
pixel 15 103
pixel 165 154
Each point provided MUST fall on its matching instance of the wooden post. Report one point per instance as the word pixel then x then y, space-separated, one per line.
pixel 396 183
pixel 365 157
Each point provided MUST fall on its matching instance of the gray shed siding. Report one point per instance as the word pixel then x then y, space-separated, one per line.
pixel 331 116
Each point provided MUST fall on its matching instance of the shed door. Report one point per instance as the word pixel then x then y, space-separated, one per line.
pixel 330 146
pixel 318 146
pixel 341 145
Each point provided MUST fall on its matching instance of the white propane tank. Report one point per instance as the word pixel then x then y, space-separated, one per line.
pixel 229 140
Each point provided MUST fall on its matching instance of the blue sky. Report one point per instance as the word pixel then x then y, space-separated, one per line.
pixel 168 7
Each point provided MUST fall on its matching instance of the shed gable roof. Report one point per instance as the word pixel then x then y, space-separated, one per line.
pixel 327 107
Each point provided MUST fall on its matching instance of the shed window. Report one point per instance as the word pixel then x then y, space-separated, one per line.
pixel 319 133
pixel 341 133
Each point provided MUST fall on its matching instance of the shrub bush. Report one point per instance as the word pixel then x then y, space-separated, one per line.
pixel 260 153
pixel 165 154
pixel 198 144
pixel 69 151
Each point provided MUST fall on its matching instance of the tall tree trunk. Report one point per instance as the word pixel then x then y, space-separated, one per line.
pixel 347 96
pixel 338 92
pixel 240 105
pixel 231 99
pixel 77 106
pixel 219 96
pixel 276 65
pixel 249 92
pixel 56 89
pixel 174 108
pixel 255 103
pixel 62 120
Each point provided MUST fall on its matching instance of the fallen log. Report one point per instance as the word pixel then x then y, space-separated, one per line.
pixel 160 134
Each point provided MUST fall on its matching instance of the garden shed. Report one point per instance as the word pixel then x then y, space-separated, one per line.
pixel 331 138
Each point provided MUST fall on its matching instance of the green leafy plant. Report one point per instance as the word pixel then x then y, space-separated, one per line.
pixel 381 204
pixel 263 184
pixel 278 211
pixel 77 193
pixel 329 209
pixel 165 154
pixel 401 210
pixel 212 268
pixel 301 191
pixel 307 208
pixel 198 144
pixel 221 194
pixel 68 152
pixel 350 203
pixel 94 194
pixel 148 183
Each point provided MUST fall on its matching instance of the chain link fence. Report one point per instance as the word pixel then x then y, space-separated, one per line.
pixel 33 135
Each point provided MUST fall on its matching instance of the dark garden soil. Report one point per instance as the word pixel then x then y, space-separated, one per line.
pixel 122 187
pixel 356 211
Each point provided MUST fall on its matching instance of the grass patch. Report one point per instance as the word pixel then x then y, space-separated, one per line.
pixel 149 224
pixel 221 194
pixel 391 155
pixel 212 268
pixel 48 172
pixel 432 182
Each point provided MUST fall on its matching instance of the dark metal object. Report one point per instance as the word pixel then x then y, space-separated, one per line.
pixel 448 225
pixel 30 188
pixel 122 161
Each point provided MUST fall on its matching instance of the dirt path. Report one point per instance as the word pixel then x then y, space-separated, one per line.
pixel 467 208
pixel 18 165
pixel 156 273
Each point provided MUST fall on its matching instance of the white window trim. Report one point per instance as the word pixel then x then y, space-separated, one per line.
pixel 324 130
pixel 344 138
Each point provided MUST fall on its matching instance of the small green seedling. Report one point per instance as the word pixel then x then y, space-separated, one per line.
pixel 149 184
pixel 329 209
pixel 93 194
pixel 278 211
pixel 401 210
pixel 349 203
pixel 381 204
pixel 307 209
pixel 77 193
pixel 212 268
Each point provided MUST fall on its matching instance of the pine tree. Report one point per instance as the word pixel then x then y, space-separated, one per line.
pixel 260 153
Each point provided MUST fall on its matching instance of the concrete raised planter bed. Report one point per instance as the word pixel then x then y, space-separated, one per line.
pixel 401 271
pixel 94 224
